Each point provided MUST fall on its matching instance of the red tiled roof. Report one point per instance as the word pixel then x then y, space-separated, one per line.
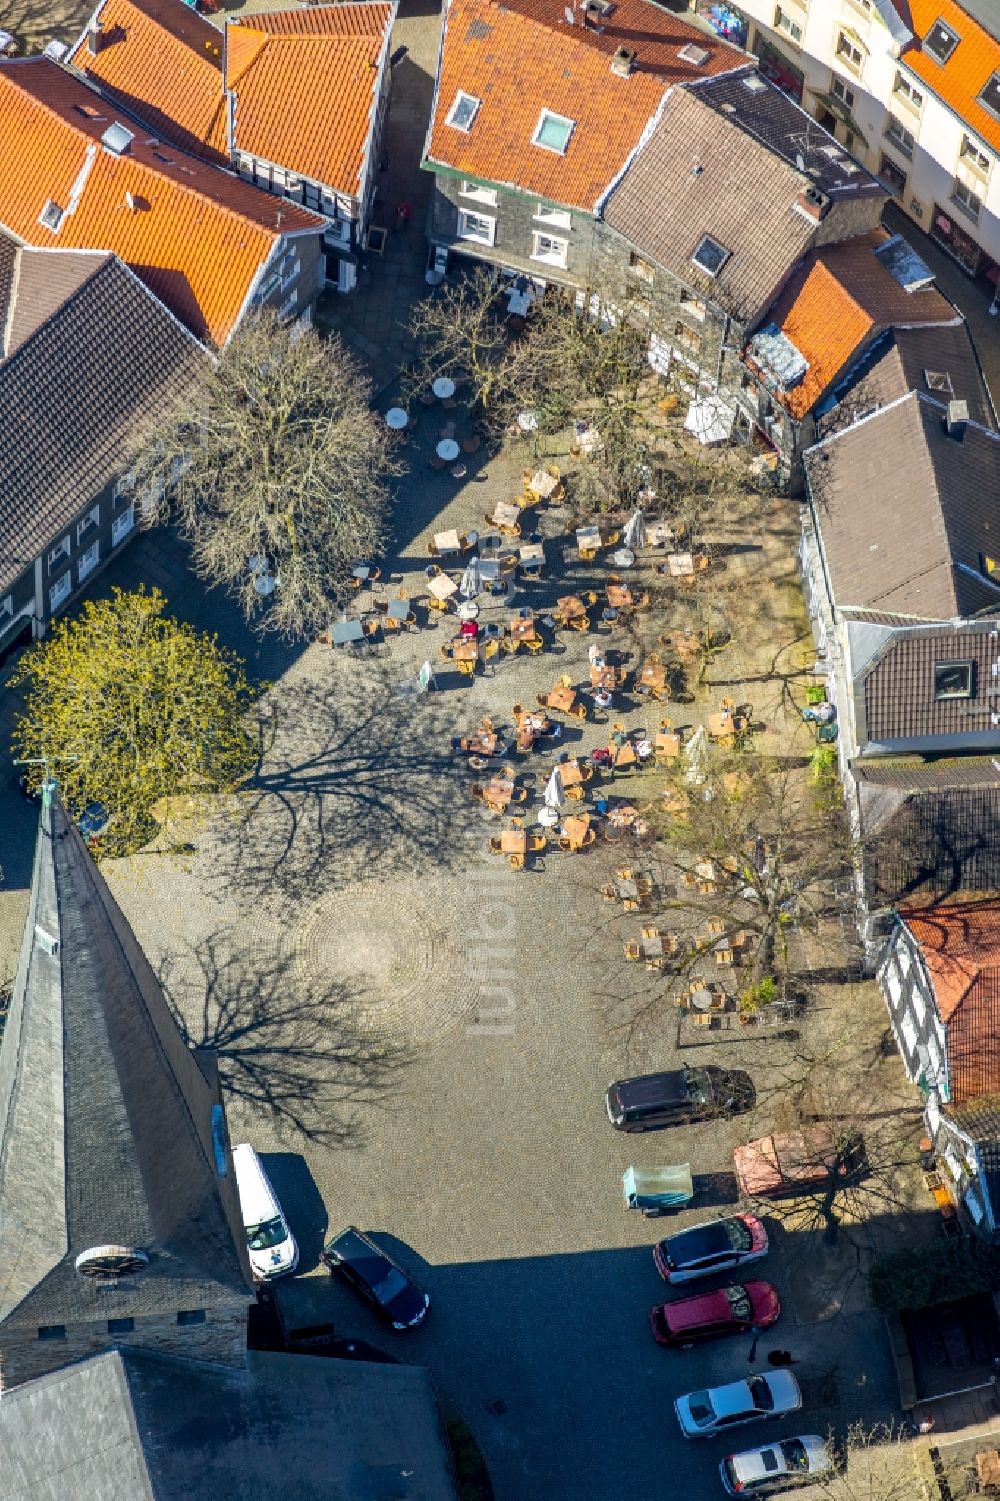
pixel 304 83
pixel 841 296
pixel 960 80
pixel 163 61
pixel 522 56
pixel 960 945
pixel 196 236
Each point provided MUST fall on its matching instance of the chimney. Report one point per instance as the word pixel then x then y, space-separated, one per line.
pixel 623 62
pixel 954 422
pixel 94 39
pixel 813 203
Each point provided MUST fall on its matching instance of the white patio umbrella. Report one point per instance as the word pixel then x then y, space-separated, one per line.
pixel 634 531
pixel 553 796
pixel 471 581
pixel 696 754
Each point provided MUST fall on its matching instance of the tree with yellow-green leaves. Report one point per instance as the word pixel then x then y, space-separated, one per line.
pixel 126 705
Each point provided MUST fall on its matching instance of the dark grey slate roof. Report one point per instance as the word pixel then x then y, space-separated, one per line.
pixel 132 1426
pixel 901 361
pixel 689 179
pixel 769 116
pixel 899 684
pixel 70 397
pixel 928 829
pixel 905 512
pixel 106 1118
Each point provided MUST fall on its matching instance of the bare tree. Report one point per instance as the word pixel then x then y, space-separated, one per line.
pixel 461 334
pixel 277 471
pixel 881 1463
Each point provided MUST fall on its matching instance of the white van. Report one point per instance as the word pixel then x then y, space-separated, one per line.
pixel 271 1244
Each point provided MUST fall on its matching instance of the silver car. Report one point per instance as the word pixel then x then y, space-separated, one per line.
pixel 702 1414
pixel 783 1464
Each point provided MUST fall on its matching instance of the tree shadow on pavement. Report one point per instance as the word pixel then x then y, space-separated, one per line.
pixel 351 774
pixel 290 1051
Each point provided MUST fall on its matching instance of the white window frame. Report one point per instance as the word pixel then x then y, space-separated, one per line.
pixel 897 135
pixel 289 303
pixel 60 590
pixel 479 194
pixel 467 230
pixel 845 53
pixel 957 188
pixel 945 26
pixel 711 240
pixel 551 114
pixel 971 157
pixel 338 230
pixel 87 520
pixel 292 274
pixel 554 256
pixel 555 218
pixel 787 25
pixel 88 560
pixel 61 550
pixel 842 90
pixel 908 1032
pixel 123 524
pixel 244 166
pixel 477 104
pixel 908 93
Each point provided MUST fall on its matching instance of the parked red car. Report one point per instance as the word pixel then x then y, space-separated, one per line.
pixel 730 1310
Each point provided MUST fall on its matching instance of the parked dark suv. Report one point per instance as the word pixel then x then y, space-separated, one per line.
pixel 652 1101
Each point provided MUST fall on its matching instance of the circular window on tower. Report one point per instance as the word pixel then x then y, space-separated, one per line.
pixel 107 1262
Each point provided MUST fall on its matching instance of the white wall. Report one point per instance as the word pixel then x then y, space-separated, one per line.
pixel 935 161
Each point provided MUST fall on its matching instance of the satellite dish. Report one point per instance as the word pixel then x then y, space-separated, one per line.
pixel 568 13
pixel 800 161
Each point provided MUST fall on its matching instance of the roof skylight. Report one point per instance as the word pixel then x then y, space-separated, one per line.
pixel 990 95
pixel 941 41
pixel 710 256
pixel 463 111
pixel 553 131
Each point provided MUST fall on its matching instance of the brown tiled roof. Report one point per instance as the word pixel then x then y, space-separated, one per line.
pixel 43 280
pixel 522 56
pixel 163 60
pixel 71 395
pixel 8 256
pixel 899 687
pixel 959 943
pixel 841 299
pixel 899 362
pixel 906 512
pixel 690 179
pixel 197 236
pixel 304 84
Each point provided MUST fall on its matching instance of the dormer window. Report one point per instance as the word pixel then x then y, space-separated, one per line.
pixel 990 96
pixel 941 42
pixel 710 256
pixel 463 112
pixel 553 132
pixel 953 680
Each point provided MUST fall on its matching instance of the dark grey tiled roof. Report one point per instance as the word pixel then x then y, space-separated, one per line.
pixel 928 829
pixel 70 397
pixel 690 179
pixel 899 687
pixel 979 1118
pixel 130 1426
pixel 899 362
pixel 906 512
pixel 777 122
pixel 106 1124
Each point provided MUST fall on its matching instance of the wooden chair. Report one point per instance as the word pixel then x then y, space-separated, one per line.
pixel 496 848
pixel 723 956
pixel 643 886
pixel 467 669
pixel 371 627
pixel 630 904
pixel 588 839
pixel 682 1002
pixel 625 873
pixel 517 823
pixel 564 843
pixel 609 893
pixel 436 462
pixel 536 843
pixel 432 550
pixel 590 597
pixel 650 932
pixel 689 879
pixel 666 724
pixel 574 793
pixel 612 539
pixel 727 703
pixel 631 950
pixel 516 862
pixel 517 710
pixel 542 699
pixel 534 644
pixel 700 561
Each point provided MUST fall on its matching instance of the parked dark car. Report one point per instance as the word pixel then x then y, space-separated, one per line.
pixel 652 1101
pixel 729 1310
pixel 715 1246
pixel 376 1277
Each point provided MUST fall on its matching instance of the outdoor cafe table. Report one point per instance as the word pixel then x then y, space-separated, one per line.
pixel 398 609
pixel 482 742
pixel 448 450
pixel 505 514
pixel 681 564
pixel 570 607
pixel 514 842
pixel 701 999
pixel 441 586
pixel 654 675
pixel 588 539
pixel 570 773
pixel 726 723
pixel 343 632
pixel 361 571
pixel 623 755
pixel 465 649
pixel 499 791
pixel 667 743
pixel 988 1467
pixel 624 557
pixel 542 484
pixel 447 541
pixel 620 596
pixel 523 628
pixel 575 828
pixel 604 677
pixel 531 552
pixel 396 419
pixel 561 698
pixel 623 817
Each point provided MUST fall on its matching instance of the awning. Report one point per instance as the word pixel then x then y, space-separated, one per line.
pixel 838 108
pixel 710 419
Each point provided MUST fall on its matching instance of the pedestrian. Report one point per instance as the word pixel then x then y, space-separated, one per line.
pixel 595 654
pixel 403 213
pixel 602 699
